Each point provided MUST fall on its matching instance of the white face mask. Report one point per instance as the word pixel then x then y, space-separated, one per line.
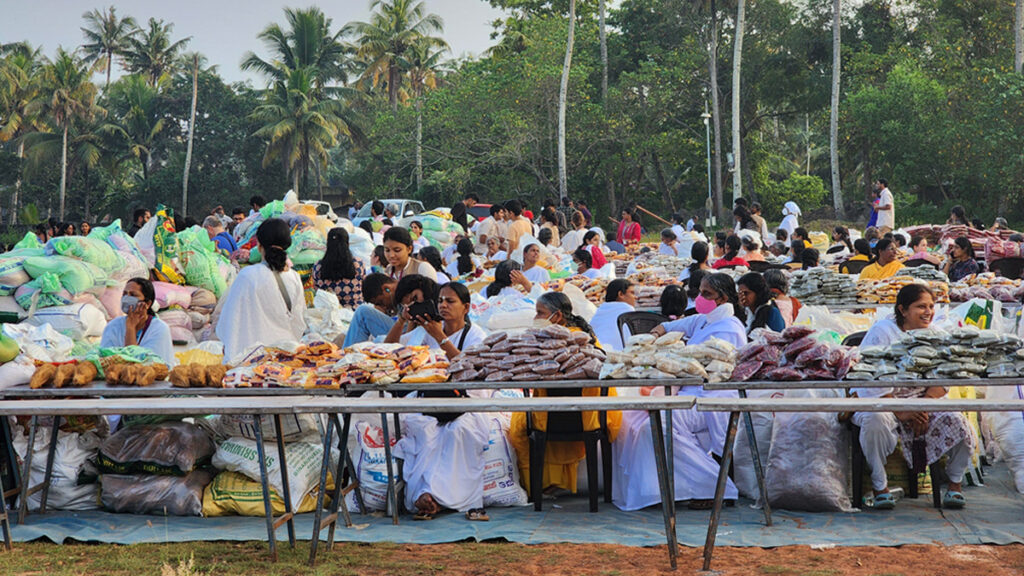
pixel 540 323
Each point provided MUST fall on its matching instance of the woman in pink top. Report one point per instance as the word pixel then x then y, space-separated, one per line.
pixel 629 229
pixel 919 250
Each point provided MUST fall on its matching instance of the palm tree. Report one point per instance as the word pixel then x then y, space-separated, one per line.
pixel 191 132
pixel 1018 37
pixel 20 73
pixel 136 104
pixel 308 43
pixel 298 126
pixel 151 52
pixel 394 27
pixel 833 126
pixel 716 107
pixel 66 96
pixel 563 91
pixel 737 59
pixel 603 40
pixel 106 36
pixel 421 63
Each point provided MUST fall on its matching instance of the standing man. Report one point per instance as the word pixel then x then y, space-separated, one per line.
pixel 256 203
pixel 518 226
pixel 885 208
pixel 588 218
pixel 219 213
pixel 491 226
pixel 139 219
pixel 215 230
pixel 471 200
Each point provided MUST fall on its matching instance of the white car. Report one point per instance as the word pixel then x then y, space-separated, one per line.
pixel 401 208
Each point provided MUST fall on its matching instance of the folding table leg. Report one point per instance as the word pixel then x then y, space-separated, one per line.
pixel 265 485
pixel 723 476
pixel 5 523
pixel 50 455
pixel 668 503
pixel 26 474
pixel 670 448
pixel 755 455
pixel 11 461
pixel 392 496
pixel 340 492
pixel 289 514
pixel 325 464
pixel 350 465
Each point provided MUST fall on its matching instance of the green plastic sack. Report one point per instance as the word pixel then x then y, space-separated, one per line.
pixel 273 209
pixel 118 239
pixel 49 289
pixel 29 241
pixel 198 258
pixel 87 249
pixel 12 269
pixel 75 275
pixel 308 247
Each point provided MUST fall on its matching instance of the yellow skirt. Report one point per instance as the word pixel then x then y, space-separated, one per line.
pixel 561 459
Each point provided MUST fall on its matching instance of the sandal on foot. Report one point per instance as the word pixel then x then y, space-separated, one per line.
pixel 884 501
pixel 478 515
pixel 423 516
pixel 953 500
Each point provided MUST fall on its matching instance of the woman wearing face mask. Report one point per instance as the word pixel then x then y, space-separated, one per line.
pixel 753 294
pixel 531 270
pixel 139 326
pixel 942 433
pixel 561 459
pixel 443 452
pixel 398 252
pixel 584 264
pixel 697 435
pixel 619 298
pixel 265 303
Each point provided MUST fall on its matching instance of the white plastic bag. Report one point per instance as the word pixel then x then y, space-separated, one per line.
pixel 144 240
pixel 304 459
pixel 41 343
pixel 1007 429
pixel 371 467
pixel 743 464
pixel 501 472
pixel 809 464
pixel 72 456
pixel 75 320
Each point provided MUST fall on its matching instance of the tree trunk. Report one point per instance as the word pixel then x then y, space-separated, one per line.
pixel 604 50
pixel 305 163
pixel 562 95
pixel 1018 38
pixel 737 61
pixel 716 109
pixel 866 163
pixel 295 179
pixel 17 185
pixel 419 145
pixel 63 170
pixel 110 64
pixel 191 134
pixel 86 194
pixel 666 194
pixel 319 181
pixel 833 125
pixel 611 192
pixel 807 135
pixel 393 87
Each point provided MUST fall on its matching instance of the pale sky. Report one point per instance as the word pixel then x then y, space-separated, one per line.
pixel 223 30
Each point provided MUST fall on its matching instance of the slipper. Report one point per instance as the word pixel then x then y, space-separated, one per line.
pixel 478 515
pixel 423 516
pixel 953 500
pixel 884 501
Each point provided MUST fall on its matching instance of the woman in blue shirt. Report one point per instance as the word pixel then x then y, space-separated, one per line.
pixel 754 295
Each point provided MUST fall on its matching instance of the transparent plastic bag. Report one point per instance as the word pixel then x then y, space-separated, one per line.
pixel 160 495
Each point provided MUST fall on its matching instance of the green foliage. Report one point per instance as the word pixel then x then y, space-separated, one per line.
pixel 808 192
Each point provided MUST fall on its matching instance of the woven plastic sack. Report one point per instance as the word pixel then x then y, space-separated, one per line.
pixel 12 269
pixel 232 494
pixel 173 448
pixel 44 291
pixel 303 458
pixel 75 276
pixel 87 249
pixel 165 247
pixel 198 259
pixel 30 240
pixel 160 495
pixel 70 461
pixel 168 295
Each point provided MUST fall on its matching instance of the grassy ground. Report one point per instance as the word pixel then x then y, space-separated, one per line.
pixel 463 559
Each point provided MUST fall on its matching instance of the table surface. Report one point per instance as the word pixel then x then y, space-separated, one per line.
pixel 857 405
pixel 818 384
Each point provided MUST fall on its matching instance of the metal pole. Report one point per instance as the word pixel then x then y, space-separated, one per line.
pixel 707 132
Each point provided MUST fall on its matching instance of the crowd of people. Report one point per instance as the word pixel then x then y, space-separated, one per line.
pixel 411 292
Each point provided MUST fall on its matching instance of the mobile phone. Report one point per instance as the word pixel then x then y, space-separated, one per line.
pixel 427 308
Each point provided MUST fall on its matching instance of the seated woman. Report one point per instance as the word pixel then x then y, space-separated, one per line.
pixel 697 435
pixel 139 326
pixel 957 216
pixel 549 221
pixel 507 276
pixel 885 265
pixel 419 240
pixel 669 243
pixel 778 285
pixel 531 270
pixel 432 256
pixel 919 250
pixel 265 303
pixel 841 243
pixel 751 248
pixel 398 251
pixel 494 251
pixel 592 244
pixel 961 262
pixel 673 302
pixel 339 272
pixel 443 452
pixel 561 459
pixel 465 263
pixel 731 258
pixel 809 258
pixel 754 295
pixel 378 262
pixel 619 298
pixel 584 264
pixel 375 317
pixel 861 253
pixel 699 253
pixel 943 433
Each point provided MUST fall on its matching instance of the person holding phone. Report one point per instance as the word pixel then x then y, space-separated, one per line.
pixel 139 326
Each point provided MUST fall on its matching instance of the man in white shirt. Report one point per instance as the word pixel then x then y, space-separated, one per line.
pixel 677 226
pixel 490 226
pixel 885 207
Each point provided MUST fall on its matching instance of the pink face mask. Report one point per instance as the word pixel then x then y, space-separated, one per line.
pixel 704 306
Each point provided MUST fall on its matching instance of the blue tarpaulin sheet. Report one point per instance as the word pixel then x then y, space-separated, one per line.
pixel 994 515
